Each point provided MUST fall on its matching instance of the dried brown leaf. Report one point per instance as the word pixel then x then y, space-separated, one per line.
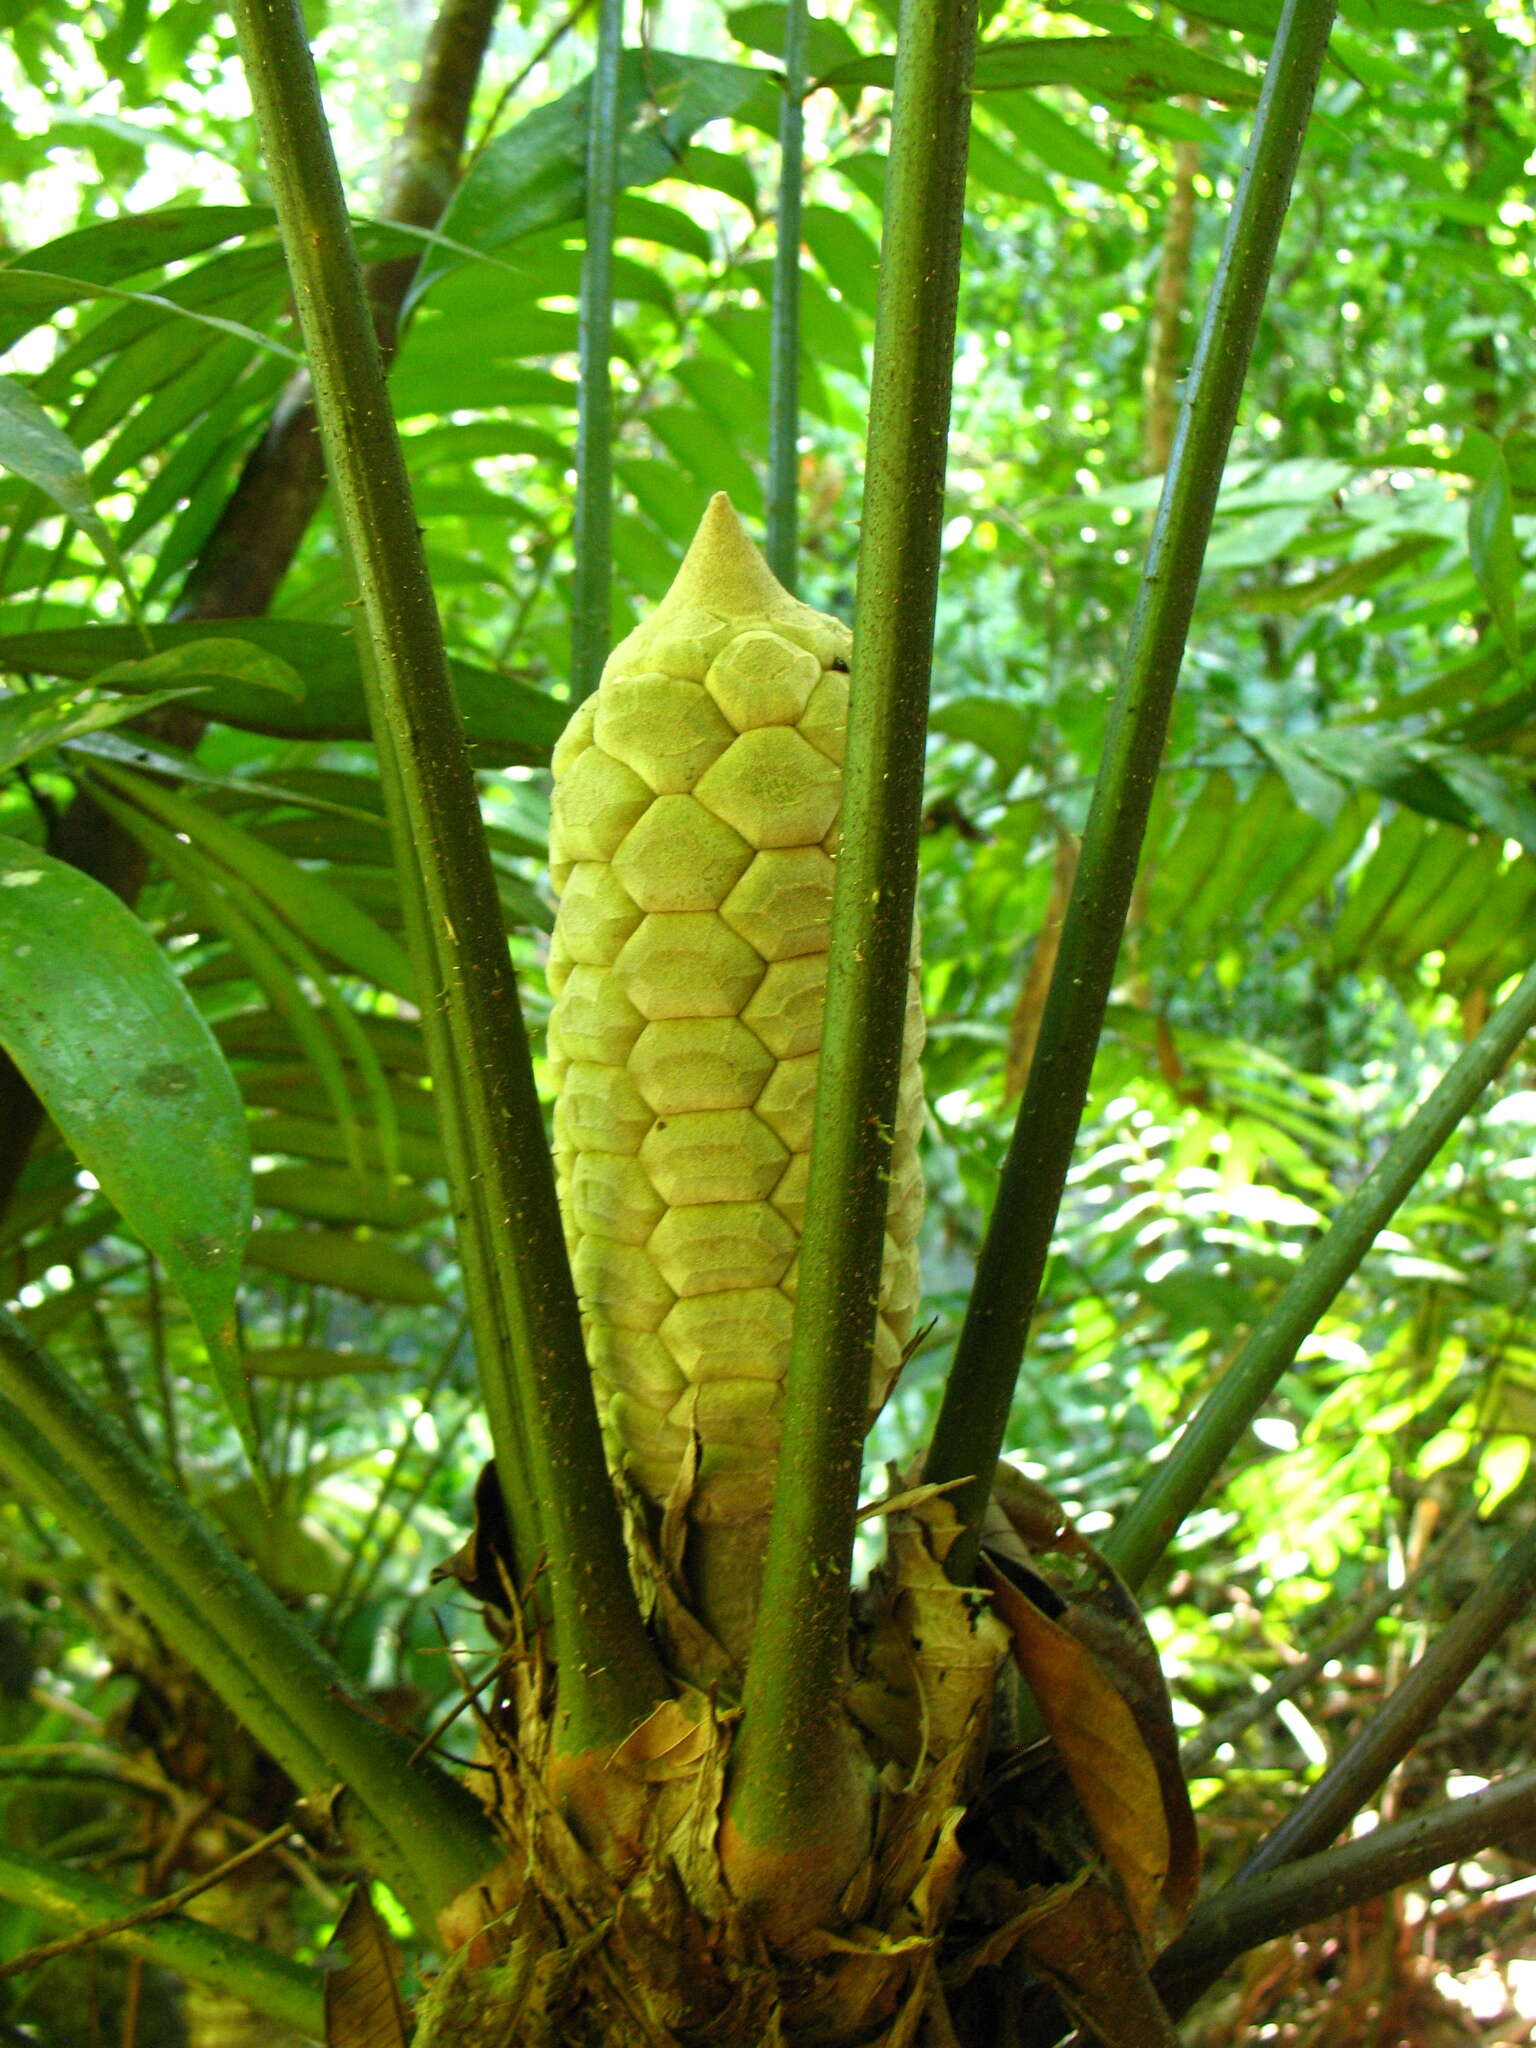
pixel 1085 1946
pixel 688 1647
pixel 484 1563
pixel 928 1657
pixel 669 1743
pixel 1126 1655
pixel 363 2008
pixel 1033 1516
pixel 999 1942
pixel 1026 1524
pixel 909 1497
pixel 1106 1758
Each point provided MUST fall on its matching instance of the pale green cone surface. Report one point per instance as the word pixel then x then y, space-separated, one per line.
pixel 692 843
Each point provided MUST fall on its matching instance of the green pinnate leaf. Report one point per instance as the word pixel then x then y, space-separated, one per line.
pixel 96 1019
pixel 43 455
pixel 238 661
pixel 35 720
pixel 1495 556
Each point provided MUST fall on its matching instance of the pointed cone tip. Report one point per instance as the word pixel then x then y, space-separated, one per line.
pixel 723 571
pixel 725 582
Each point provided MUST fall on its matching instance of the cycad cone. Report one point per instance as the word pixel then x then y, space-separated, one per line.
pixel 692 842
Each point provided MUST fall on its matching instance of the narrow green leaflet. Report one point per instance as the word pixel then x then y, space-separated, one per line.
pixel 1498 801
pixel 997 727
pixel 257 1034
pixel 368 1266
pixel 1441 782
pixel 94 1016
pixel 169 761
pixel 39 289
pixel 720 173
pixel 1495 557
pixel 33 448
pixel 1317 792
pixel 1115 68
pixel 846 252
pixel 1253 17
pixel 1063 149
pixel 1348 580
pixel 35 720
pixel 60 1246
pixel 292 1552
pixel 1147 67
pixel 281 937
pixel 761 27
pixel 647 220
pixel 534 175
pixel 217 655
pixel 310 1137
pixel 311 1362
pixel 326 1195
pixel 302 897
pixel 504 720
pixel 137 242
pixel 269 950
pixel 997 169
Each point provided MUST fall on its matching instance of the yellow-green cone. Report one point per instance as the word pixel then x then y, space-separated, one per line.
pixel 692 841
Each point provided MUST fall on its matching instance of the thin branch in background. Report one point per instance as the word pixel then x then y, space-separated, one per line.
pixel 188 1816
pixel 133 1997
pixel 335 1617
pixel 300 1867
pixel 974 1414
pixel 58 1702
pixel 1403 1716
pixel 510 91
pixel 592 528
pixel 1258 1909
pixel 290 1289
pixel 469 1695
pixel 793 1781
pixel 281 1434
pixel 405 1514
pixel 783 492
pixel 304 1429
pixel 1224 1728
pixel 363 1591
pixel 423 1833
pixel 1144 1531
pixel 152 1909
pixel 1358 1774
pixel 285 1992
pixel 541 562
pixel 84 1762
pixel 119 1394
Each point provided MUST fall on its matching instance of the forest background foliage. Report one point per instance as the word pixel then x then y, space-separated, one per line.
pixel 1337 881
